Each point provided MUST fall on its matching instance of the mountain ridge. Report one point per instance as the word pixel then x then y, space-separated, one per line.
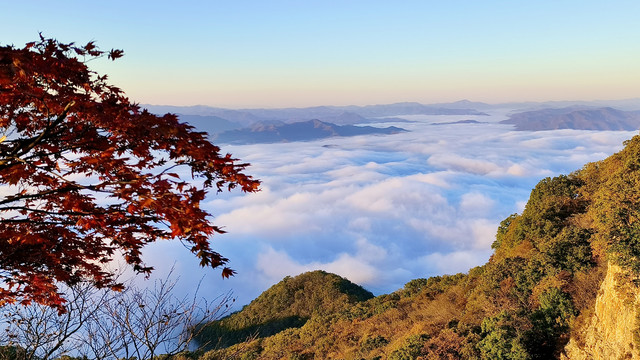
pixel 325 113
pixel 577 118
pixel 288 304
pixel 275 132
pixel 246 116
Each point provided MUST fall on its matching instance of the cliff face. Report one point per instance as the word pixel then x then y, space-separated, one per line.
pixel 609 334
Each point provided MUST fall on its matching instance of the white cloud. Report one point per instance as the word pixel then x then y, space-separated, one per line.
pixel 439 178
pixel 463 164
pixel 518 170
pixel 609 138
pixel 382 210
pixel 454 262
pixel 278 264
pixel 475 204
pixel 484 233
pixel 360 224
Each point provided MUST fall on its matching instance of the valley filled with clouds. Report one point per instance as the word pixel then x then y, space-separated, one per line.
pixel 381 210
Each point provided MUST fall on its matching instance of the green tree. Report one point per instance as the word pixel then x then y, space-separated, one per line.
pixel 550 324
pixel 501 340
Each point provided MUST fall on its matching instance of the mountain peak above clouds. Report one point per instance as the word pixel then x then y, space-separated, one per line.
pixel 577 118
pixel 340 114
pixel 298 131
pixel 465 104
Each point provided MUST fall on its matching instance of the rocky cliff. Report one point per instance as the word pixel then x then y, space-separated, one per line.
pixel 610 332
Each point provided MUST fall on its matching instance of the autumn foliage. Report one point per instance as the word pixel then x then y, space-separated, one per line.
pixel 87 176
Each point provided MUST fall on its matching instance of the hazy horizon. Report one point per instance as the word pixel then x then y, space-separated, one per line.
pixel 613 102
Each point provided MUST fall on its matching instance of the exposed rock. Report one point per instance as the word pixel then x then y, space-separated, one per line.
pixel 610 332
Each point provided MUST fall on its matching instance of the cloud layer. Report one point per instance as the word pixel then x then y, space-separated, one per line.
pixel 382 210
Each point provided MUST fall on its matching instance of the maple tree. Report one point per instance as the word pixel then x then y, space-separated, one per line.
pixel 86 175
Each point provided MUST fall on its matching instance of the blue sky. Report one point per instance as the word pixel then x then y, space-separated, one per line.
pixel 300 53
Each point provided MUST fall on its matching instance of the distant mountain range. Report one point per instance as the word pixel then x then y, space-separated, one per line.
pixel 340 115
pixel 247 126
pixel 460 122
pixel 578 118
pixel 343 115
pixel 299 131
pixel 211 124
pixel 625 104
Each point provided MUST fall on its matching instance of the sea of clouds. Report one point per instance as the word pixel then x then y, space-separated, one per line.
pixel 379 210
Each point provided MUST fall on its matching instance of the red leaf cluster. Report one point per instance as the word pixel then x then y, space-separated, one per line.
pixel 88 175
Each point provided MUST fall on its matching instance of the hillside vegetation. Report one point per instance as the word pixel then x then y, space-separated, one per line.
pixel 288 304
pixel 536 292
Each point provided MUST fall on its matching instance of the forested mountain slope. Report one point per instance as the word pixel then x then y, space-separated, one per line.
pixel 539 289
pixel 288 304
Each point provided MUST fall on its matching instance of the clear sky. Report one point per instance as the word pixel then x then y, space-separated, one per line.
pixel 280 53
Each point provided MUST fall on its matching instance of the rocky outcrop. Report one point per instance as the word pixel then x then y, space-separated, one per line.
pixel 610 332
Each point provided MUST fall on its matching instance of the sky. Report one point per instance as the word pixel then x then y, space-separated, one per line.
pixel 279 53
pixel 379 210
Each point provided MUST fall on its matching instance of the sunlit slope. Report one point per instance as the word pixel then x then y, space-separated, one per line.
pixel 288 304
pixel 536 292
